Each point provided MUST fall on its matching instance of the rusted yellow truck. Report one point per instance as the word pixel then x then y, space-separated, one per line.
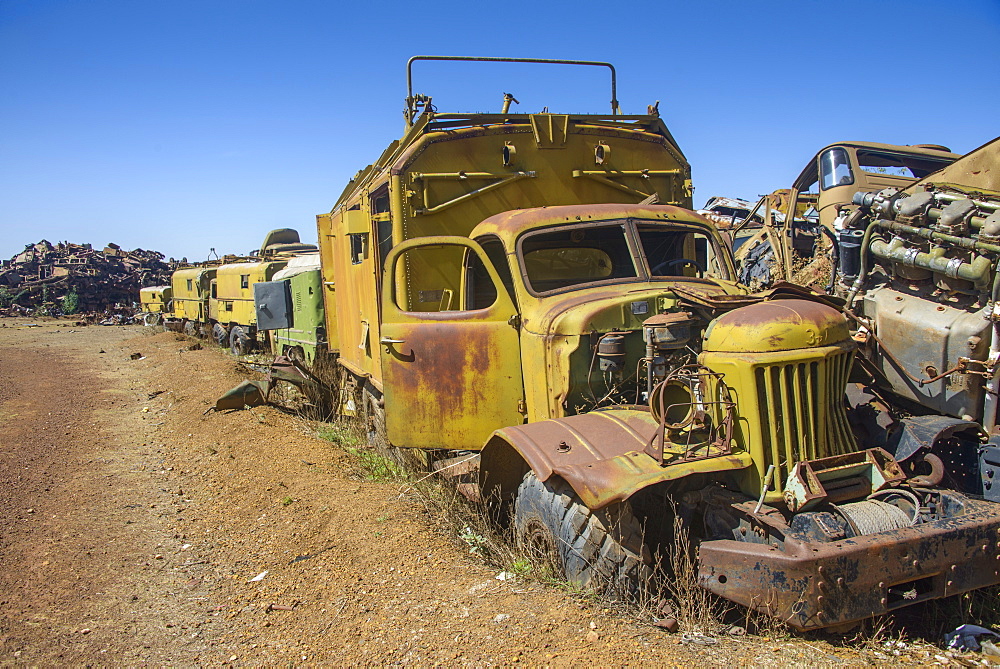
pixel 216 298
pixel 191 289
pixel 504 285
pixel 154 302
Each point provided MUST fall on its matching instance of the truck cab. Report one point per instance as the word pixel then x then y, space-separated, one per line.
pixel 536 289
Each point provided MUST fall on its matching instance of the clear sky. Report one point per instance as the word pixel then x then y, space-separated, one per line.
pixel 185 125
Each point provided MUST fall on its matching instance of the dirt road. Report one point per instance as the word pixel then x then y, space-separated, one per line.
pixel 135 530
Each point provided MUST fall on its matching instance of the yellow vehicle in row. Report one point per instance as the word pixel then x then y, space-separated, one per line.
pixel 217 299
pixel 154 302
pixel 191 288
pixel 504 284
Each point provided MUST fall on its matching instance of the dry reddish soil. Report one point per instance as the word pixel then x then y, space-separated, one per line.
pixel 136 530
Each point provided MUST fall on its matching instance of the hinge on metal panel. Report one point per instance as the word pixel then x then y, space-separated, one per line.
pixel 515 321
pixel 522 408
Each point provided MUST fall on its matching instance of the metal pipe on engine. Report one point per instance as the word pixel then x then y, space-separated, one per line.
pixel 982 204
pixel 927 233
pixel 865 266
pixel 977 271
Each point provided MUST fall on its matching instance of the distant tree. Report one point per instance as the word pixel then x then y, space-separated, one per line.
pixel 71 302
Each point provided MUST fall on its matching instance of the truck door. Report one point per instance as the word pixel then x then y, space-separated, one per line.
pixel 451 360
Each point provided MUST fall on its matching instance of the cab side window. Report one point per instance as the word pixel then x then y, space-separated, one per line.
pixel 501 263
pixel 429 278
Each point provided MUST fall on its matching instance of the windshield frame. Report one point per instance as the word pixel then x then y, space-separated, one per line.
pixel 636 251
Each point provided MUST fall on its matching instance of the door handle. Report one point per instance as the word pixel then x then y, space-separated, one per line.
pixel 386 340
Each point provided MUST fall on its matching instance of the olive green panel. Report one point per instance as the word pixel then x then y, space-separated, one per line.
pixel 307 316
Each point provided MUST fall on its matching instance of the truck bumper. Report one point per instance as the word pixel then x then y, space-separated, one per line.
pixel 814 585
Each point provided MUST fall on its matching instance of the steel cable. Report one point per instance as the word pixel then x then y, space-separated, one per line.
pixel 872 516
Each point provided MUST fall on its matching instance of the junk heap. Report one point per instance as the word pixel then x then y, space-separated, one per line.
pixel 76 278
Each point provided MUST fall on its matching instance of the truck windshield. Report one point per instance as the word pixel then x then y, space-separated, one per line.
pixel 673 252
pixel 835 168
pixel 574 256
pixel 569 257
pixel 900 165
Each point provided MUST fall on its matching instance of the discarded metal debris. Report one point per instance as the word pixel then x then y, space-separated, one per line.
pixel 65 278
pixel 966 637
pixel 246 394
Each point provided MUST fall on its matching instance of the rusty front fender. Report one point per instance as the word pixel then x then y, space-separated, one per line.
pixel 600 454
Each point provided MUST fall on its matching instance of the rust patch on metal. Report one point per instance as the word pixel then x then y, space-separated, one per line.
pixel 602 455
pixel 811 585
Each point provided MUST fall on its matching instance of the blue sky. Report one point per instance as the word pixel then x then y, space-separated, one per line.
pixel 182 126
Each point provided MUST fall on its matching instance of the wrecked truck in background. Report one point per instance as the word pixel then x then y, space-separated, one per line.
pixel 798 240
pixel 597 352
pixel 154 302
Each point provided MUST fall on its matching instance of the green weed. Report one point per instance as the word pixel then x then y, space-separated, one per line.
pixel 341 433
pixel 376 467
pixel 71 302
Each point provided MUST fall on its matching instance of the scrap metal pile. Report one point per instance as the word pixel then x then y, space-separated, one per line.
pixel 76 278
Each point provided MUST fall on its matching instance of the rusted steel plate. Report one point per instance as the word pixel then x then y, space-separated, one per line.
pixel 601 454
pixel 443 381
pixel 815 585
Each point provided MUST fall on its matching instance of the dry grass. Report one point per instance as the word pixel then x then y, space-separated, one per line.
pixel 672 593
pixel 467 521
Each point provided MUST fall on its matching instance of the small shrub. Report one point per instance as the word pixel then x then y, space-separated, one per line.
pixel 70 302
